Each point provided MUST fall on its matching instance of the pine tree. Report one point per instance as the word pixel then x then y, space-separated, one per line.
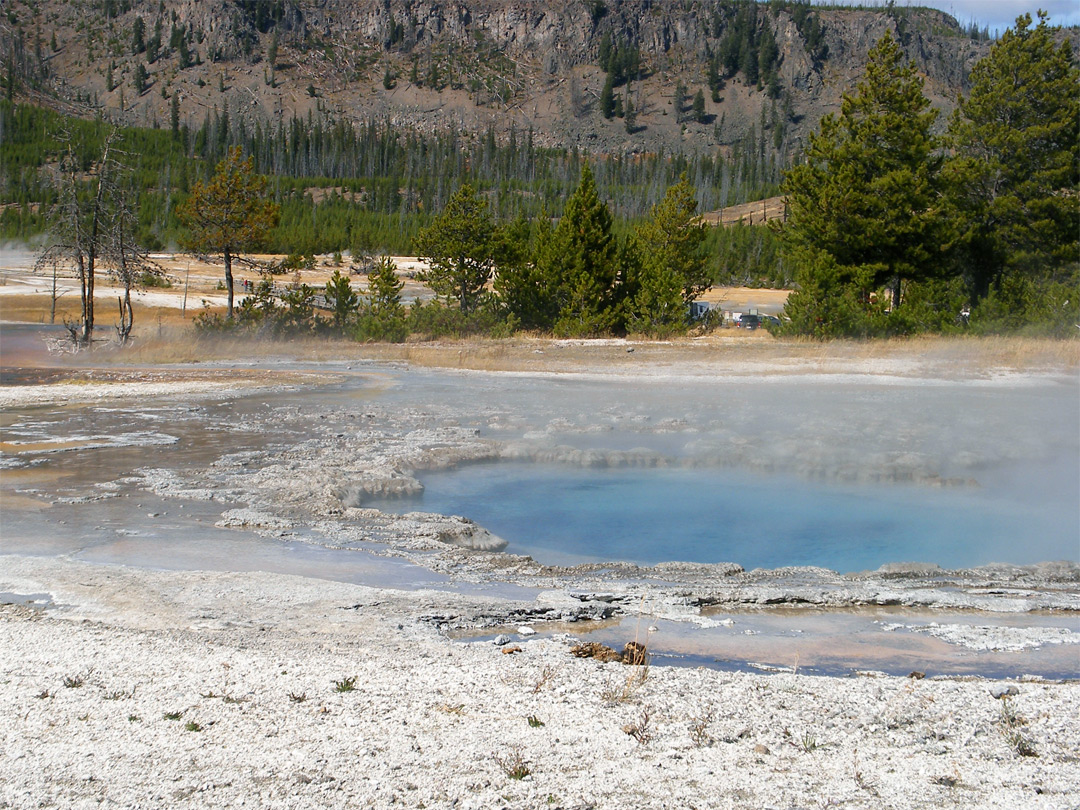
pixel 629 115
pixel 699 107
pixel 138 33
pixel 141 77
pixel 272 51
pixel 603 58
pixel 1017 145
pixel 523 289
pixel 868 196
pixel 679 100
pixel 384 291
pixel 458 249
pixel 342 298
pixel 579 262
pixel 672 239
pixel 607 98
pixel 229 214
pixel 716 83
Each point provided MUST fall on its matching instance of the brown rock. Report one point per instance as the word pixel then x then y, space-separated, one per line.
pixel 593 649
pixel 635 654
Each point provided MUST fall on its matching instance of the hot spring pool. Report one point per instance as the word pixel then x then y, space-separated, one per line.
pixel 564 515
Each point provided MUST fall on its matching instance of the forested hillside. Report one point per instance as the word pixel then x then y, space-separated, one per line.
pixel 607 77
pixel 368 116
pixel 368 119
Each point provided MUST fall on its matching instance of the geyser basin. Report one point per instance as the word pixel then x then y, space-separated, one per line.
pixel 563 515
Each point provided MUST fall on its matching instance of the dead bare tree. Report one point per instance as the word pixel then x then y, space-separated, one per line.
pixel 81 227
pixel 94 228
pixel 127 261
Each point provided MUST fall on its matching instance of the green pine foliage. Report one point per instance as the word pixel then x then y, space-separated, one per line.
pixel 520 285
pixel 671 242
pixel 229 214
pixel 384 291
pixel 376 187
pixel 1016 141
pixel 578 261
pixel 866 204
pixel 342 300
pixel 458 247
pixel 384 317
pixel 747 255
pixel 888 237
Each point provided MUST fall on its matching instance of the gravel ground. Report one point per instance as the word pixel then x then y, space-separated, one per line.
pixel 149 689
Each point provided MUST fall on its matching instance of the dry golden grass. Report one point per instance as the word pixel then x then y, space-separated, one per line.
pixel 36 309
pixel 729 351
pixel 165 335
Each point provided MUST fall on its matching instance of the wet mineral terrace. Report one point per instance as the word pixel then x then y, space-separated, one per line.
pixel 333 481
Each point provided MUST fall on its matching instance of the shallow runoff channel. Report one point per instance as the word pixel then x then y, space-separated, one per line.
pixel 815 471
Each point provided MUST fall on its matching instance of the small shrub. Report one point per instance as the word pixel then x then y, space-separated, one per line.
pixel 191 725
pixel 513 764
pixel 640 729
pixel 297 698
pixel 547 674
pixel 151 279
pixel 74 682
pixel 625 690
pixel 173 715
pixel 534 721
pixel 1009 721
pixel 345 684
pixel 699 730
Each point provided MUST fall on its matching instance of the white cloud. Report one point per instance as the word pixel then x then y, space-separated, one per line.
pixel 1000 14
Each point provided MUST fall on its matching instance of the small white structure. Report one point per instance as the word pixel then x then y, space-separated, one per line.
pixel 699 309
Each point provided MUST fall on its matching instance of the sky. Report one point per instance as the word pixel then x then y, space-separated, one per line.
pixel 1001 14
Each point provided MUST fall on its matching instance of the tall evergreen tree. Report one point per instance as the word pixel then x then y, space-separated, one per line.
pixel 458 248
pixel 607 98
pixel 1017 159
pixel 342 298
pixel 579 261
pixel 229 214
pixel 673 238
pixel 384 291
pixel 523 289
pixel 699 107
pixel 868 196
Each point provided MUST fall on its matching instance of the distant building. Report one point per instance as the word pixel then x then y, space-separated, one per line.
pixel 699 309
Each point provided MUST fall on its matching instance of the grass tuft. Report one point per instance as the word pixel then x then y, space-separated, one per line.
pixel 1010 722
pixel 513 764
pixel 345 684
pixel 639 729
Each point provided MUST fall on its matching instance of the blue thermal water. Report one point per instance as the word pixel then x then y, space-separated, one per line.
pixel 565 515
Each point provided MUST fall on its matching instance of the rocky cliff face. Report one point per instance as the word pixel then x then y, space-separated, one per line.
pixel 484 64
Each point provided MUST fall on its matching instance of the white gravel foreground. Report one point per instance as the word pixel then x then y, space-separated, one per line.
pixel 144 689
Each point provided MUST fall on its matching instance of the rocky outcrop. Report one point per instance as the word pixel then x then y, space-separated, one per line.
pixel 500 64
